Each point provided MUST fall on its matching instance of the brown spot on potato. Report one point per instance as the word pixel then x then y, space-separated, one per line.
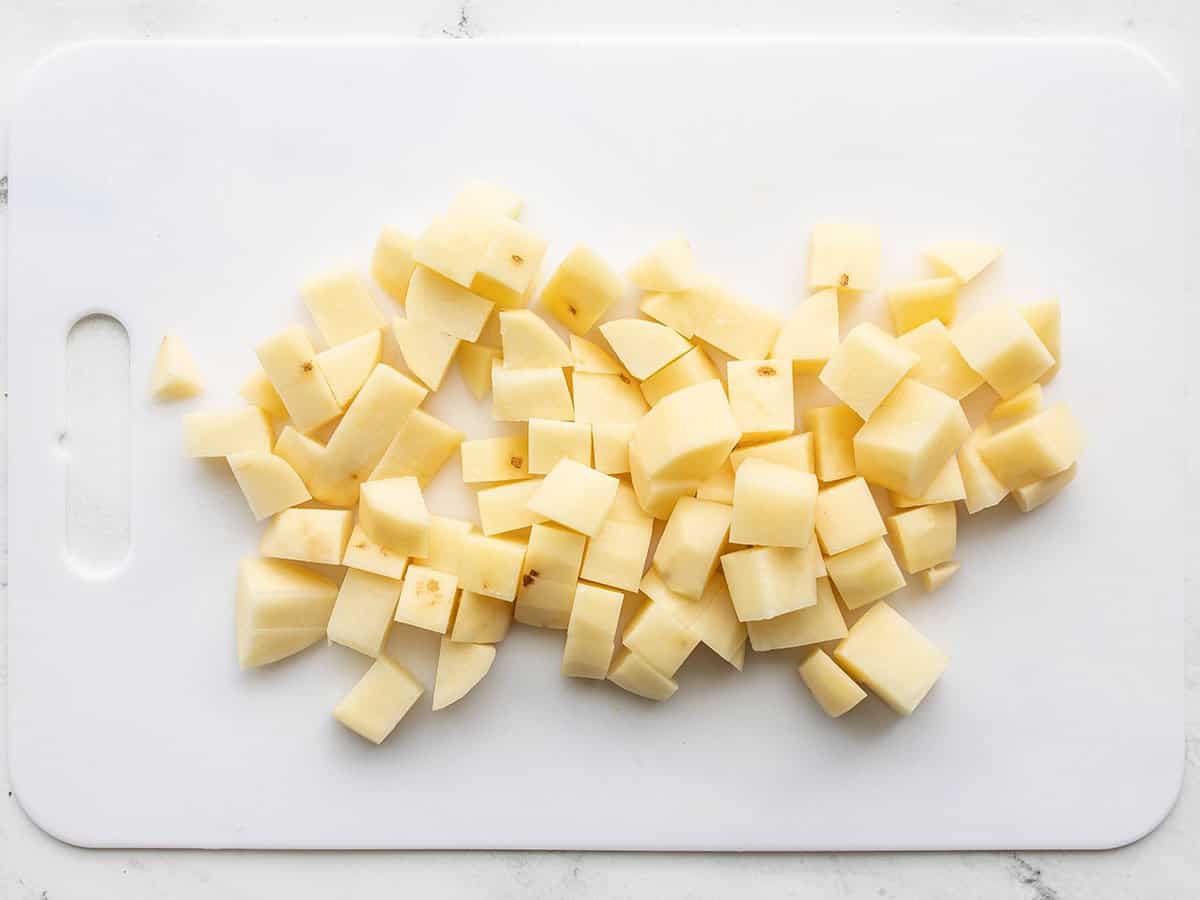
pixel 625 378
pixel 515 462
pixel 432 585
pixel 529 577
pixel 307 366
pixel 844 280
pixel 518 258
pixel 572 310
pixel 766 371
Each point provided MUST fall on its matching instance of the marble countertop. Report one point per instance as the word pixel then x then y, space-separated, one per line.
pixel 1165 864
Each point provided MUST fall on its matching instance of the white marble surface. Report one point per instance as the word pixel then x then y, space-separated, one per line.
pixel 1165 864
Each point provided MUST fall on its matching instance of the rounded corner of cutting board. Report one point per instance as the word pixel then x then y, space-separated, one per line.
pixel 60 821
pixel 1161 798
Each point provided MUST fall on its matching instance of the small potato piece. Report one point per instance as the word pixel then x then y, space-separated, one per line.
pixel 1045 318
pixel 576 496
pixel 844 256
pixel 658 496
pixel 446 539
pixel 687 552
pixel 923 301
pixel 509 264
pixel 833 429
pixel 342 307
pixel 865 573
pixel 347 365
pixel 940 364
pixel 504 507
pixel 581 290
pixel 811 335
pixel 281 609
pixel 491 566
pixel 795 451
pixel 363 553
pixel 475 363
pixel 1001 346
pixel 925 536
pixel 946 487
pixel 835 691
pixel 687 435
pixel 257 390
pixel 1041 446
pixel 495 459
pixel 670 266
pixel 846 516
pixel 363 612
pixel 1016 408
pixel 962 260
pixel 718 625
pixel 290 363
pixel 454 245
pixel 519 395
pixel 866 367
pixel 427 599
pixel 773 505
pixel 528 342
pixel 735 326
pixel 676 309
pixel 634 674
pixel 608 399
pixel 658 636
pixel 268 483
pixel 392 263
pixel 549 576
pixel 176 375
pixel 308 535
pixel 766 582
pixel 693 367
pixel 616 555
pixel 420 448
pixel 812 625
pixel 643 347
pixel 224 433
pixel 718 487
pixel 592 358
pixel 591 632
pixel 1031 496
pixel 393 513
pixel 480 619
pixel 438 303
pixel 460 667
pixel 762 399
pixel 610 447
pixel 377 703
pixel 887 654
pixel 935 576
pixel 551 441
pixel 427 351
pixel 982 489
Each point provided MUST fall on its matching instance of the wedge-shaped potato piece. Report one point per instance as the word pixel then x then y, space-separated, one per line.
pixel 268 483
pixel 504 508
pixel 176 375
pixel 693 367
pixel 766 582
pixel 460 667
pixel 833 429
pixel 480 619
pixel 581 290
pixel 939 364
pixel 1001 346
pixel 527 342
pixel 935 576
pixel 290 362
pixel 925 536
pixel 592 358
pixel 946 487
pixel 909 439
pixel 363 613
pixel 658 636
pixel 962 260
pixel 773 505
pixel 1045 318
pixel 475 363
pixel 447 538
pixel 866 367
pixel 658 496
pixel 611 399
pixel 257 390
pixel 364 554
pixel 308 458
pixel 427 351
pixel 392 512
pixel 843 255
pixel 392 262
pixel 983 490
pixel 509 264
pixel 923 301
pixel 718 486
pixel 670 266
pixel 678 309
pixel 347 365
pixel 427 599
pixel 486 201
pixel 610 446
pixel 308 535
pixel 420 448
pixel 762 399
pixel 453 245
pixel 887 654
pixel 643 347
pixel 281 609
pixel 1016 408
pixel 690 545
pixel 811 335
pixel 687 435
pixel 718 625
pixel 551 441
pixel 1041 446
pixel 846 516
pixel 491 566
pixel 795 452
pixel 591 631
pixel 226 432
pixel 495 459
pixel 341 305
pixel 1031 496
pixel 865 573
pixel 634 674
pixel 522 394
pixel 616 555
pixel 735 326
pixel 439 303
pixel 549 576
pixel 834 690
pixel 576 496
pixel 375 706
pixel 812 625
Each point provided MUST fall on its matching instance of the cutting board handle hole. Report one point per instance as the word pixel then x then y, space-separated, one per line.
pixel 94 444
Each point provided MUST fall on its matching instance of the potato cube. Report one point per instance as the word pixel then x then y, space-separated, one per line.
pixel 1045 318
pixel 363 553
pixel 439 303
pixel 509 264
pixel 676 309
pixel 528 342
pixel 176 375
pixel 887 654
pixel 581 290
pixel 290 363
pixel 592 358
pixel 844 256
pixel 693 367
pixel 833 429
pixel 1031 496
pixel 924 536
pixel 766 582
pixel 634 674
pixel 281 609
pixel 576 496
pixel 446 539
pixel 257 390
pixel 1016 408
pixel 935 576
pixel 377 703
pixel 946 487
pixel 846 516
pixel 670 266
pixel 657 635
pixel 481 200
pixel 342 307
pixel 427 599
pixel 643 347
pixel 427 351
pixel 658 496
pixel 835 691
pixel 736 326
pixel 224 433
pixel 795 451
pixel 717 623
pixel 460 667
pixel 812 625
pixel 1041 446
pixel 773 505
pixel 363 611
pixel 480 619
pixel 475 363
pixel 923 301
pixel 420 448
pixel 612 399
pixel 693 539
pixel 495 459
pixel 393 513
pixel 308 535
pixel 346 366
pixel 939 365
pixel 981 487
pixel 454 245
pixel 491 566
pixel 522 394
pixel 865 573
pixel 504 508
pixel 551 441
pixel 591 632
pixel 717 487
pixel 687 435
pixel 310 461
pixel 549 576
pixel 610 446
pixel 616 555
pixel 762 399
pixel 392 263
pixel 811 335
pixel 866 367
pixel 268 483
pixel 1000 345
pixel 962 260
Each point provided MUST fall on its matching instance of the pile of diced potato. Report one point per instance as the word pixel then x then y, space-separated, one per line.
pixel 658 494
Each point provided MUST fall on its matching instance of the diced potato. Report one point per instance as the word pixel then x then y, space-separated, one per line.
pixel 935 576
pixel 925 536
pixel 581 290
pixel 257 390
pixel 224 433
pixel 392 263
pixel 342 307
pixel 363 553
pixel 486 201
pixel 362 614
pixel 522 394
pixel 460 667
pixel 686 609
pixel 887 654
pixel 670 266
pixel 766 582
pixel 983 490
pixel 308 535
pixel 551 441
pixel 268 483
pixel 1016 408
pixel 865 573
pixel 693 367
pixel 718 486
pixel 309 459
pixel 610 446
pixel 923 301
pixel 527 342
pixel 658 496
pixel 393 513
pixel 454 245
pixel 634 674
pixel 420 448
pixel 475 363
pixel 946 487
pixel 735 326
pixel 835 691
pixel 961 259
pixel 657 635
pixel 691 543
pixel 1045 318
pixel 616 555
pixel 495 459
pixel 510 264
pixel 939 365
pixel 380 699
pixel 687 435
pixel 844 256
pixel 290 363
pixel 1031 496
pixel 1041 446
pixel 677 309
pixel 281 609
pixel 812 625
pixel 762 399
pixel 347 365
pixel 866 367
pixel 643 347
pixel 833 429
pixel 592 358
pixel 811 335
pixel 446 539
pixel 427 351
pixel 1000 345
pixel 718 625
pixel 795 452
pixel 438 303
pixel 576 496
pixel 907 442
pixel 611 399
pixel 773 505
pixel 846 516
pixel 480 619
pixel 491 566
pixel 503 508
pixel 176 375
pixel 591 632
pixel 549 576
pixel 427 599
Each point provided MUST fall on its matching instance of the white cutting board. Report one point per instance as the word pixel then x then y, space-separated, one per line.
pixel 194 185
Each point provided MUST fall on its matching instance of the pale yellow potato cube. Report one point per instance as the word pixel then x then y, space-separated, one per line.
pixel 175 375
pixel 487 201
pixel 670 266
pixel 392 262
pixel 1016 408
pixel 865 573
pixel 981 487
pixel 495 459
pixel 226 432
pixel 924 536
pixel 657 635
pixel 257 390
pixel 592 358
pixel 393 513
pixel 610 399
pixel 551 441
pixel 510 263
pixel 591 632
pixel 1045 318
pixel 581 290
pixel 835 691
pixel 866 367
pixel 946 487
pixel 935 576
pixel 687 435
pixel 773 505
pixel 812 625
pixel 610 446
pixel 677 309
pixel 522 394
pixel 491 566
pixel 347 365
pixel 919 302
pixel 686 609
pixel 446 539
pixel 504 508
pixel 795 451
pixel 691 543
pixel 281 609
pixel 962 260
pixel 717 623
pixel 440 304
pixel 308 535
pixel 718 486
pixel 1042 445
pixel 693 367
pixel 575 495
pixel 1031 496
pixel 310 461
pixel 766 582
pixel 268 483
pixel 846 516
pixel 363 553
pixel 658 496
pixel 939 365
pixel 887 654
pixel 528 342
pixel 454 245
pixel 549 576
pixel 427 599
pixel 362 614
pixel 290 363
pixel 341 306
pixel 845 256
pixel 427 351
pixel 810 336
pixel 833 429
pixel 460 667
pixel 420 448
pixel 762 399
pixel 480 619
pixel 1001 346
pixel 634 674
pixel 616 555
pixel 380 699
pixel 907 442
pixel 643 347
pixel 735 326
pixel 475 363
